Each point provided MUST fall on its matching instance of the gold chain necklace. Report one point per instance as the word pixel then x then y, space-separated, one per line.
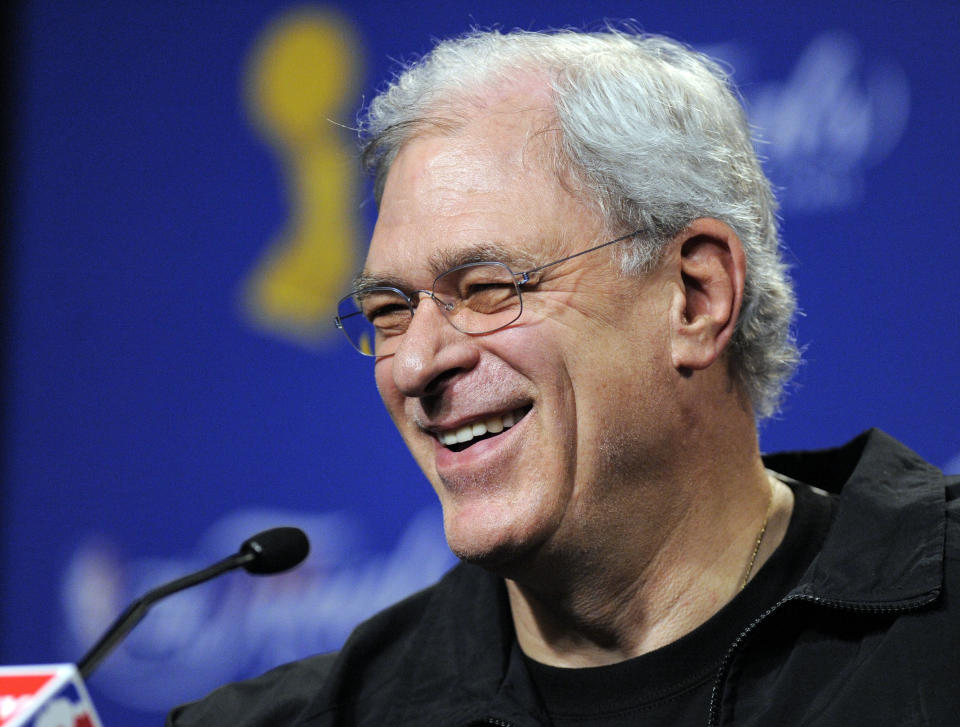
pixel 763 531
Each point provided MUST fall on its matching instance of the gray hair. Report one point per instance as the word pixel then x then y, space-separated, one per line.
pixel 652 132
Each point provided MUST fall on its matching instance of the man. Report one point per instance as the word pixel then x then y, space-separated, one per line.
pixel 577 308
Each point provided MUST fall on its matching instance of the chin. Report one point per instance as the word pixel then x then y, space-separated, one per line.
pixel 494 557
pixel 498 547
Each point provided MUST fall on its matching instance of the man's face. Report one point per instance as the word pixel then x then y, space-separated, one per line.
pixel 584 372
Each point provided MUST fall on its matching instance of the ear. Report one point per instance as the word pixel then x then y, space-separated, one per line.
pixel 712 268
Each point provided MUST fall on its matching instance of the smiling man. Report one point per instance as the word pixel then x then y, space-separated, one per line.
pixel 576 310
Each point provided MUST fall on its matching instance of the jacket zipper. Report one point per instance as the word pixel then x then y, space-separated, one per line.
pixel 715 695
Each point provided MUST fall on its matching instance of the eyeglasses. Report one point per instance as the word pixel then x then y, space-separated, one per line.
pixel 476 298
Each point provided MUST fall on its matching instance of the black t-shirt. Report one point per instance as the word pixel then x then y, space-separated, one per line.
pixel 672 685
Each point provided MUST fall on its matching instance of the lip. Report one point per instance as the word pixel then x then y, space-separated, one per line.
pixel 478 456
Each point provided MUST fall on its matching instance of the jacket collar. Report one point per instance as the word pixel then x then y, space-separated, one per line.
pixel 885 548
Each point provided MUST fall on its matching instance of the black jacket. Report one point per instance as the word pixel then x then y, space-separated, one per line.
pixel 870 636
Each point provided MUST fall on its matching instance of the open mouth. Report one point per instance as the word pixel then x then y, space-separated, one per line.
pixel 457 440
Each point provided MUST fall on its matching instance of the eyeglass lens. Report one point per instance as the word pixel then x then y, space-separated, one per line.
pixel 476 298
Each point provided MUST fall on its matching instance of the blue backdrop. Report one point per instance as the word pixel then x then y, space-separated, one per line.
pixel 184 211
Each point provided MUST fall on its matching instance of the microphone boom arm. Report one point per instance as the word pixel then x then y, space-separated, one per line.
pixel 139 608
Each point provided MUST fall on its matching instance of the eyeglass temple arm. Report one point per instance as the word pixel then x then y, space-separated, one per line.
pixel 524 277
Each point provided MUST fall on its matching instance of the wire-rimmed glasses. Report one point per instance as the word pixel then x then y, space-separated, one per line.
pixel 476 298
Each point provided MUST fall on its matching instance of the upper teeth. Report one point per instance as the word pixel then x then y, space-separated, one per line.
pixel 494 425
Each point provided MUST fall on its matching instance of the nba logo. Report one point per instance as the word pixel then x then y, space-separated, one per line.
pixel 45 696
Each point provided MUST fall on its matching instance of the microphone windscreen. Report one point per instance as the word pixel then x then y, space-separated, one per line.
pixel 275 550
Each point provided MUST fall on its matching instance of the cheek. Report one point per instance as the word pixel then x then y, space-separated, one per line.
pixel 535 354
pixel 621 384
pixel 546 357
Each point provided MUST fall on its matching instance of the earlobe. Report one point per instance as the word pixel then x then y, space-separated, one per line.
pixel 711 273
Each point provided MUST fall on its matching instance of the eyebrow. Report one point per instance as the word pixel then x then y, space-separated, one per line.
pixel 440 261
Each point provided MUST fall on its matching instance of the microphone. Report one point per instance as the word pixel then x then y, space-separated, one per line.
pixel 272 551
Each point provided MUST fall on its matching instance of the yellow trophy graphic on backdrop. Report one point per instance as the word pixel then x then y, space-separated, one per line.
pixel 301 75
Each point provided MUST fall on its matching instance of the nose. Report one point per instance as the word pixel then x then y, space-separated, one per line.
pixel 431 351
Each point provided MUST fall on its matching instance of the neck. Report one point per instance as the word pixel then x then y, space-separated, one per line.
pixel 658 574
